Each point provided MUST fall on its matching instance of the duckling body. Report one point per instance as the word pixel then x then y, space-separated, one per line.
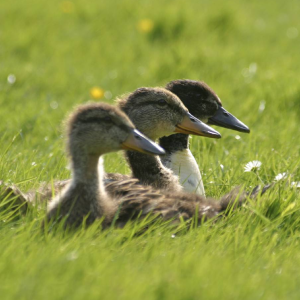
pixel 179 206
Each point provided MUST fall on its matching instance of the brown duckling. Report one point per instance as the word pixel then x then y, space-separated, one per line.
pixel 204 104
pixel 93 130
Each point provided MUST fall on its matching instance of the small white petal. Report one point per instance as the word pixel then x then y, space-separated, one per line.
pixel 280 176
pixel 11 78
pixel 262 106
pixel 296 184
pixel 252 166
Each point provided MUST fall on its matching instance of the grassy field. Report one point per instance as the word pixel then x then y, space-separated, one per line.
pixel 53 53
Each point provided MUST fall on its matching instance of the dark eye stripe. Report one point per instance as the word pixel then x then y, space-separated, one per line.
pixel 149 103
pixel 106 120
pixel 95 120
pixel 170 106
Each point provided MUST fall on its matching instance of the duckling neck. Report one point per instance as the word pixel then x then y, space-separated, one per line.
pixel 174 142
pixel 85 169
pixel 150 171
pixel 89 175
pixel 181 161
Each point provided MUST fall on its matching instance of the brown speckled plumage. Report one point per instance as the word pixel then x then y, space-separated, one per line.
pixel 92 130
pixel 176 206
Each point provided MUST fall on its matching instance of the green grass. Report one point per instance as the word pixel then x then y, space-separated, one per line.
pixel 247 51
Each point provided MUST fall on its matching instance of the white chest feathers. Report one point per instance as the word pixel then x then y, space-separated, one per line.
pixel 184 165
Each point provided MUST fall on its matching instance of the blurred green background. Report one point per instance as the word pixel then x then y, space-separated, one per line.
pixel 52 55
pixel 57 54
pixel 57 51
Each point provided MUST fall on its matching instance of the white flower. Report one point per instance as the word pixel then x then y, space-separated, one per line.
pixel 252 166
pixel 11 78
pixel 280 176
pixel 296 184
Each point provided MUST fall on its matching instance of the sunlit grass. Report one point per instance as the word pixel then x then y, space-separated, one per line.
pixel 55 55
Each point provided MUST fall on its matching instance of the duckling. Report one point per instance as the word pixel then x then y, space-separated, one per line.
pixel 93 130
pixel 205 105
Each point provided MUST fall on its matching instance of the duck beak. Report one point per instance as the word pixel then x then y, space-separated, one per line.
pixel 138 142
pixel 191 125
pixel 225 119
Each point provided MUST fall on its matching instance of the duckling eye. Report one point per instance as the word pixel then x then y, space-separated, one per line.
pixel 162 102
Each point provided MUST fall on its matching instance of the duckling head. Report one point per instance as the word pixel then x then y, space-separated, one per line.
pixel 204 104
pixel 95 129
pixel 157 112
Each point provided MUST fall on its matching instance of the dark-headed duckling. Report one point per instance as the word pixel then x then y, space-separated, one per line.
pixel 204 104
